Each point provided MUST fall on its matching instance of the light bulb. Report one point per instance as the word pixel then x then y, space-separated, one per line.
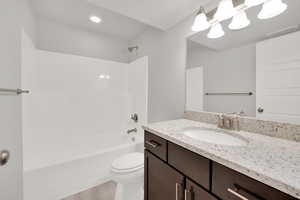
pixel 225 10
pixel 239 21
pixel 251 3
pixel 95 19
pixel 200 23
pixel 272 8
pixel 216 31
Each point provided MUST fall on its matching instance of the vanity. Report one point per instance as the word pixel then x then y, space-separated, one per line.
pixel 180 167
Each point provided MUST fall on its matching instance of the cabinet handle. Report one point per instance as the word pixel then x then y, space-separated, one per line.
pixel 189 194
pixel 235 193
pixel 186 194
pixel 178 186
pixel 238 188
pixel 152 144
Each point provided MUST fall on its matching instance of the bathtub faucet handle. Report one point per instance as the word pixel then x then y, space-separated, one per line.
pixel 134 117
pixel 132 130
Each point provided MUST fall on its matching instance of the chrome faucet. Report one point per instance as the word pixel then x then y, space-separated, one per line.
pixel 230 122
pixel 134 117
pixel 132 130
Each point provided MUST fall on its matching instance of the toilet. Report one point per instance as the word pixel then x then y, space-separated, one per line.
pixel 128 173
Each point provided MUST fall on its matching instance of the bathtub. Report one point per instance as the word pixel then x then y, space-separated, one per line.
pixel 84 164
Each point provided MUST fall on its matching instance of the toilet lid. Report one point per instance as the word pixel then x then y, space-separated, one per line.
pixel 129 162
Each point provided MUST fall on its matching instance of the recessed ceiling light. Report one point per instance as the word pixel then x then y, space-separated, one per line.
pixel 95 19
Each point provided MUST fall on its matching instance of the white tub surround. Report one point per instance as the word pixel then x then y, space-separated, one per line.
pixel 61 180
pixel 75 98
pixel 75 119
pixel 270 160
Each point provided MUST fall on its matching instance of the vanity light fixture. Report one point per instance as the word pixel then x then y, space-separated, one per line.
pixel 225 10
pixel 216 31
pixel 200 22
pixel 251 3
pixel 103 76
pixel 239 21
pixel 272 8
pixel 95 19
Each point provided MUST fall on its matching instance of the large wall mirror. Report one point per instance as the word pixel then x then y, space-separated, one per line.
pixel 254 71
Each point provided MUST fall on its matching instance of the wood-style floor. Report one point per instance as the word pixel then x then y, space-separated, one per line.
pixel 105 191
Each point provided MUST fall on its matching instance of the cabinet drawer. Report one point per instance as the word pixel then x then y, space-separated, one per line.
pixel 231 185
pixel 156 145
pixel 194 192
pixel 191 164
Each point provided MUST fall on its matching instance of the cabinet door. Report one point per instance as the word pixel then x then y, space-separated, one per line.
pixel 194 192
pixel 161 181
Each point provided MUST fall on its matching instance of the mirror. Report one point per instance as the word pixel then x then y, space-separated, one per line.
pixel 253 72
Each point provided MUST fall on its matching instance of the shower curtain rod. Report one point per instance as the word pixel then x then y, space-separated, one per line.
pixel 231 93
pixel 16 91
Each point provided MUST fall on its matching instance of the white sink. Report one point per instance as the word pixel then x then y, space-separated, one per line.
pixel 213 136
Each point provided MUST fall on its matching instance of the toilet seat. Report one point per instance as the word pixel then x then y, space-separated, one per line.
pixel 128 163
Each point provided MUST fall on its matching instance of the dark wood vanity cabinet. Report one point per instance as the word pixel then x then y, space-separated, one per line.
pixel 156 145
pixel 161 181
pixel 231 185
pixel 175 173
pixel 194 192
pixel 190 164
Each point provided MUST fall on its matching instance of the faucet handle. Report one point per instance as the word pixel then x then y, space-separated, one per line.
pixel 134 117
pixel 132 130
pixel 230 122
pixel 221 121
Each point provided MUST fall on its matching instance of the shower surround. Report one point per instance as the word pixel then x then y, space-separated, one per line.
pixel 75 119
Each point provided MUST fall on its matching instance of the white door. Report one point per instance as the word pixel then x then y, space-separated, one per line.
pixel 278 79
pixel 10 105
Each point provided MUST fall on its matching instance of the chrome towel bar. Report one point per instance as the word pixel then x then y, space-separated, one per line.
pixel 16 91
pixel 231 93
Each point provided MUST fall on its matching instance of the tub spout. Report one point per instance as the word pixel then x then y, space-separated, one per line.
pixel 132 130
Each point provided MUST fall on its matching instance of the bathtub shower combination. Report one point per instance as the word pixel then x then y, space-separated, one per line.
pixel 75 121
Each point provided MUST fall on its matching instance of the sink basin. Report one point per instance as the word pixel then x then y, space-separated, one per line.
pixel 213 136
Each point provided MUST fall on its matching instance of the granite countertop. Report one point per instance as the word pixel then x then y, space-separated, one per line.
pixel 270 160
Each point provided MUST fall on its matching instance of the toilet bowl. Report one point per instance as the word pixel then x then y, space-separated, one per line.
pixel 128 173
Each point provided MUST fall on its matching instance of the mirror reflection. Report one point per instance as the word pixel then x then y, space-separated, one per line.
pixel 248 64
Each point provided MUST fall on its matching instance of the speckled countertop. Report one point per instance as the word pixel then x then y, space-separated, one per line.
pixel 273 161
